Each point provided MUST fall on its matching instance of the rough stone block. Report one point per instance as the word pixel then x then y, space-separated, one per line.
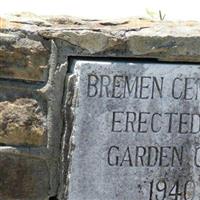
pixel 22 57
pixel 22 123
pixel 23 178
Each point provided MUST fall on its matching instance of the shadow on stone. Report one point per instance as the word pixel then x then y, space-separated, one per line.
pixel 53 198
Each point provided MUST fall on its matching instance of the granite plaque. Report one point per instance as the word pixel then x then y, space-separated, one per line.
pixel 136 133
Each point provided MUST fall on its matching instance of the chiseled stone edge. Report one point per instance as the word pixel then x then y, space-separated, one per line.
pixel 70 101
pixel 53 92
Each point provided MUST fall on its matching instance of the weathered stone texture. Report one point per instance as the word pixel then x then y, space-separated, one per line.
pixel 163 40
pixel 23 178
pixel 25 55
pixel 22 57
pixel 115 125
pixel 22 123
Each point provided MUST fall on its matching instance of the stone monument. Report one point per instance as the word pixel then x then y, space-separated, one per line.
pixel 99 110
pixel 135 133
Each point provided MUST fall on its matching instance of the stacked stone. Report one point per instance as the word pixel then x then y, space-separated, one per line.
pixel 34 56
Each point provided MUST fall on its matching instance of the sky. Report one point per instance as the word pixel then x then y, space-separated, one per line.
pixel 106 9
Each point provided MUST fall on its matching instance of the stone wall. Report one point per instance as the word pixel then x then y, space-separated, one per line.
pixel 37 97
